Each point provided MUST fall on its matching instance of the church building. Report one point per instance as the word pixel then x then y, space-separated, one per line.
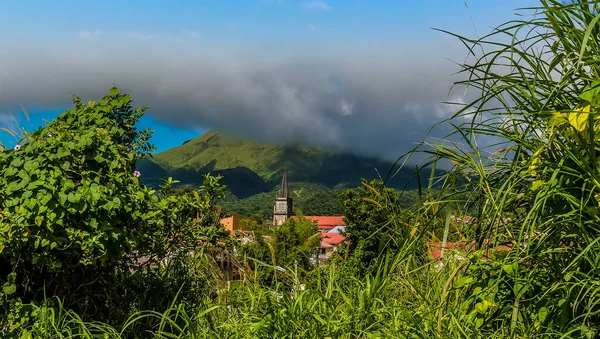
pixel 330 227
pixel 284 206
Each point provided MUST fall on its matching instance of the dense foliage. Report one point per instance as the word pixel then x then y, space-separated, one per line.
pixel 71 196
pixel 292 246
pixel 74 215
pixel 368 210
pixel 525 264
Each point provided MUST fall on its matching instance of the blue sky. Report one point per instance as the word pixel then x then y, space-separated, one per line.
pixel 366 76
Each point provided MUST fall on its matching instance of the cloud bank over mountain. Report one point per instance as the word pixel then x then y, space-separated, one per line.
pixel 347 74
pixel 366 104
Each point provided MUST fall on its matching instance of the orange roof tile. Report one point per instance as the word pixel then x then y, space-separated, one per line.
pixel 326 221
pixel 331 239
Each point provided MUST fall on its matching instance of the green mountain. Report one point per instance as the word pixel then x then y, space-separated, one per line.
pixel 252 170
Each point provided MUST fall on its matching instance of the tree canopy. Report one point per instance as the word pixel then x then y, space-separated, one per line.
pixel 367 211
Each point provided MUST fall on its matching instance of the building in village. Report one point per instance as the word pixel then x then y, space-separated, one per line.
pixel 329 244
pixel 284 206
pixel 331 231
pixel 232 223
pixel 326 223
pixel 331 228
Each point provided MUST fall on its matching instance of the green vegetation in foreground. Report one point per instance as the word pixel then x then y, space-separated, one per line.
pixel 531 269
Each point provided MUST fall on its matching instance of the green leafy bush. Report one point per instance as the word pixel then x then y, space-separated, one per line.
pixel 75 220
pixel 71 195
pixel 368 211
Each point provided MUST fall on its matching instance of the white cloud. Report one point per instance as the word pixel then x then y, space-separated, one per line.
pixel 346 108
pixel 316 5
pixel 445 110
pixel 312 27
pixel 88 35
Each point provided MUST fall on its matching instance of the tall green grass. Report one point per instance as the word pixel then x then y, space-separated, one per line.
pixel 522 156
pixel 331 306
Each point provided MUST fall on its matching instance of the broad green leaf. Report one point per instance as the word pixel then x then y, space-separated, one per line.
pixel 30 165
pixel 62 198
pixel 478 322
pixel 536 185
pixel 520 287
pixel 10 171
pixel 542 314
pixel 481 307
pixel 73 197
pixel 508 268
pixel 590 92
pixel 16 163
pixel 579 118
pixel 463 281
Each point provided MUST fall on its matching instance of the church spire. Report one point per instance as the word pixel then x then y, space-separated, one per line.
pixel 284 204
pixel 283 190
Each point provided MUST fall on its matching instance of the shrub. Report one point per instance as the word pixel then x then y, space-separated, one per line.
pixel 75 219
pixel 71 194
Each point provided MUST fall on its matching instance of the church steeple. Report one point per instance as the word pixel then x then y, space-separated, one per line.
pixel 284 205
pixel 283 190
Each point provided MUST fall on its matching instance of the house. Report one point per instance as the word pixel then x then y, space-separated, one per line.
pixel 327 223
pixel 338 229
pixel 329 244
pixel 231 223
pixel 333 229
pixel 284 209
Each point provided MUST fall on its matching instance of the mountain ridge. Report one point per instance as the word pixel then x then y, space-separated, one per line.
pixel 250 167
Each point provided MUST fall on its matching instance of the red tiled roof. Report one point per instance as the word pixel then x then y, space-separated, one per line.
pixel 324 222
pixel 331 239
